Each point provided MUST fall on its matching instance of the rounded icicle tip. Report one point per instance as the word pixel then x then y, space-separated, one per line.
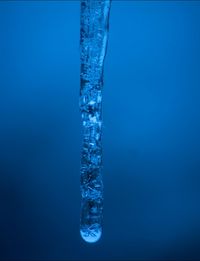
pixel 91 235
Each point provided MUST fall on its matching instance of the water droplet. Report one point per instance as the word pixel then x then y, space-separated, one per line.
pixel 91 235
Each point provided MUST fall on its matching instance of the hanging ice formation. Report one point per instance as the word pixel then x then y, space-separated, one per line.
pixel 93 43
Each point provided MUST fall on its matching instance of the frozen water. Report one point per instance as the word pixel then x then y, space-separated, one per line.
pixel 93 42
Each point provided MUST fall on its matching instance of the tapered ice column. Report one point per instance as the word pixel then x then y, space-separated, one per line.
pixel 93 42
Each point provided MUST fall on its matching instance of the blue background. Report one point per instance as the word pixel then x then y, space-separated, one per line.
pixel 151 138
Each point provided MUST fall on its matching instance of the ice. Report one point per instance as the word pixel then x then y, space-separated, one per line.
pixel 93 43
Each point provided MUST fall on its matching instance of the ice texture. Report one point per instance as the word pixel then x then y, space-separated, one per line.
pixel 93 44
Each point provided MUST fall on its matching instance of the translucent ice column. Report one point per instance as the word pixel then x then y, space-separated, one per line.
pixel 93 42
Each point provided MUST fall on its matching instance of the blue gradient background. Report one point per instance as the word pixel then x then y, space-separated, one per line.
pixel 151 132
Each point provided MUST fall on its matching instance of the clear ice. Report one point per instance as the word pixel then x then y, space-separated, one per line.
pixel 93 44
